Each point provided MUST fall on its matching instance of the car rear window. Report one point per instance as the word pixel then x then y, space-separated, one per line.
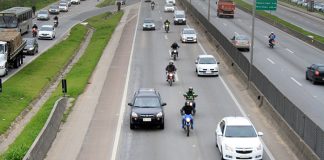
pixel 42 12
pixel 147 102
pixel 321 69
pixel 240 131
pixel 241 37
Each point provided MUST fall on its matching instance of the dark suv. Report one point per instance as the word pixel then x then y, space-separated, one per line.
pixel 147 108
pixel 315 73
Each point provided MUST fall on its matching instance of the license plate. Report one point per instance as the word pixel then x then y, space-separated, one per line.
pixel 146 119
pixel 24 51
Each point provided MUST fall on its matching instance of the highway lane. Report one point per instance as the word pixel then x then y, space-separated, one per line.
pixel 76 14
pixel 303 20
pixel 284 65
pixel 214 102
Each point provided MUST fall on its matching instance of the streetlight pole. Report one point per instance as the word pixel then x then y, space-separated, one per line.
pixel 208 10
pixel 252 45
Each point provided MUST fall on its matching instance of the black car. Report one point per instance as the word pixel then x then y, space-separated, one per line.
pixel 31 47
pixel 315 73
pixel 54 9
pixel 146 108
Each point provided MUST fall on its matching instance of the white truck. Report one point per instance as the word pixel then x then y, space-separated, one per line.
pixel 11 50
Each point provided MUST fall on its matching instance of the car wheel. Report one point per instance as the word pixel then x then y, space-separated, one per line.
pixel 162 126
pixel 196 70
pixel 314 82
pixel 132 126
pixel 306 77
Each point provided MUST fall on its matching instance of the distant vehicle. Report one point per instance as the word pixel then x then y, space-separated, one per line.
pixel 31 47
pixel 170 1
pixel 123 2
pixel 46 32
pixel 169 7
pixel 54 9
pixel 147 0
pixel 146 108
pixel 241 42
pixel 11 51
pixel 319 7
pixel 188 35
pixel 179 17
pixel 18 18
pixel 43 15
pixel 225 8
pixel 315 73
pixel 63 7
pixel 75 1
pixel 236 138
pixel 206 65
pixel 69 2
pixel 148 24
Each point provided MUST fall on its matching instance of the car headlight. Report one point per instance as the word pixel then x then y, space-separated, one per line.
pixel 153 25
pixel 259 147
pixel 31 48
pixel 134 115
pixel 159 115
pixel 229 148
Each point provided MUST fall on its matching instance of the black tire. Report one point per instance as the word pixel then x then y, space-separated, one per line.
pixel 162 126
pixel 174 57
pixel 306 77
pixel 170 83
pixel 314 81
pixel 132 126
pixel 188 130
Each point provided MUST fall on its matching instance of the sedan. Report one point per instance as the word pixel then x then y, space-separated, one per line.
pixel 315 73
pixel 188 35
pixel 169 7
pixel 75 1
pixel 206 65
pixel 54 9
pixel 148 24
pixel 69 2
pixel 236 138
pixel 146 108
pixel 46 32
pixel 43 15
pixel 241 42
pixel 31 47
pixel 63 7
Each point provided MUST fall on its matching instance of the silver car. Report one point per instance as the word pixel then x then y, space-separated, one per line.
pixel 148 24
pixel 43 15
pixel 241 42
pixel 188 35
pixel 63 7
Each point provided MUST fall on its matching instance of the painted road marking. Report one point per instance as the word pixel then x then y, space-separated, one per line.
pixel 292 78
pixel 122 107
pixel 165 36
pixel 289 50
pixel 160 17
pixel 271 61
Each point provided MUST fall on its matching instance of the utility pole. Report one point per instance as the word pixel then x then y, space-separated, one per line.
pixel 208 10
pixel 252 45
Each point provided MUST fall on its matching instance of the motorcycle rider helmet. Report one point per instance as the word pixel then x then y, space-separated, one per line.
pixel 190 89
pixel 171 62
pixel 187 103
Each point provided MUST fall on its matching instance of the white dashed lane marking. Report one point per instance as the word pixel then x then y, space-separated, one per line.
pixel 292 78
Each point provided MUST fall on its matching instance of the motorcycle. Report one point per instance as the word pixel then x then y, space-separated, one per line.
pixel 187 123
pixel 55 23
pixel 34 31
pixel 192 102
pixel 166 28
pixel 271 43
pixel 170 78
pixel 152 6
pixel 174 54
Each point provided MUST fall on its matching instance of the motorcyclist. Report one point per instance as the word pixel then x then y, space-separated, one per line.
pixel 34 30
pixel 56 20
pixel 272 37
pixel 170 68
pixel 152 4
pixel 35 26
pixel 175 46
pixel 166 23
pixel 190 94
pixel 187 109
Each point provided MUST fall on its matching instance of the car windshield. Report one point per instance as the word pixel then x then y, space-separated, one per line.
pixel 240 131
pixel 1 49
pixel 42 12
pixel 30 42
pixel 148 21
pixel 321 69
pixel 54 7
pixel 242 37
pixel 180 16
pixel 169 5
pixel 189 31
pixel 63 4
pixel 147 102
pixel 46 29
pixel 207 61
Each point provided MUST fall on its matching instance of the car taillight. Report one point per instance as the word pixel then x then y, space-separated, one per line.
pixel 317 73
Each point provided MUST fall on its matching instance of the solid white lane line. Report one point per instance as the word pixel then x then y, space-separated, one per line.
pixel 271 61
pixel 289 50
pixel 239 107
pixel 165 36
pixel 122 106
pixel 292 78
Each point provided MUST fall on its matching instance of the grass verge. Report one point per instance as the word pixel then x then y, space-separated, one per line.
pixel 77 80
pixel 105 3
pixel 5 4
pixel 247 6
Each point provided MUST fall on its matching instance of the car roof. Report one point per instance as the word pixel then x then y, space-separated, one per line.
pixel 146 92
pixel 47 25
pixel 146 19
pixel 188 29
pixel 237 121
pixel 206 56
pixel 319 65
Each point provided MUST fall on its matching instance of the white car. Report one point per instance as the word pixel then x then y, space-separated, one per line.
pixel 46 32
pixel 170 1
pixel 236 138
pixel 206 65
pixel 63 7
pixel 169 7
pixel 75 1
pixel 188 35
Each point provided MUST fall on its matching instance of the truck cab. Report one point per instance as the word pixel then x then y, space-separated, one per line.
pixel 225 8
pixel 3 58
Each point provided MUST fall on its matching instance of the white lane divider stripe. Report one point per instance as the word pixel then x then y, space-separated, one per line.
pixel 292 78
pixel 177 77
pixel 165 36
pixel 289 50
pixel 271 61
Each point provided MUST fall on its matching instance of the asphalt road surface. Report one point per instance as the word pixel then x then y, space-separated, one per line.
pixel 285 65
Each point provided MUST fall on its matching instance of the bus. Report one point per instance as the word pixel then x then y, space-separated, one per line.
pixel 18 18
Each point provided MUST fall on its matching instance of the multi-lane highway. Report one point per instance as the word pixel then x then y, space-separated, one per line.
pixel 284 65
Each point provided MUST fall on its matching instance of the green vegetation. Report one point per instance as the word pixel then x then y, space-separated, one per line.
pixel 300 6
pixel 77 80
pixel 5 4
pixel 275 19
pixel 105 3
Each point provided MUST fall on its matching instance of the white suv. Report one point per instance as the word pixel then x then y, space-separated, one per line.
pixel 75 1
pixel 236 138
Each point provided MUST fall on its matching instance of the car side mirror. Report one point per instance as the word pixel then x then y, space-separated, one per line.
pixel 260 134
pixel 196 62
pixel 217 62
pixel 164 104
pixel 219 134
pixel 130 104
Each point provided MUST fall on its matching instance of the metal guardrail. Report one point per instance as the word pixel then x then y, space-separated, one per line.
pixel 303 126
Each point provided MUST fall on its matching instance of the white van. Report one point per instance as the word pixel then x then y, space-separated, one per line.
pixel 179 17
